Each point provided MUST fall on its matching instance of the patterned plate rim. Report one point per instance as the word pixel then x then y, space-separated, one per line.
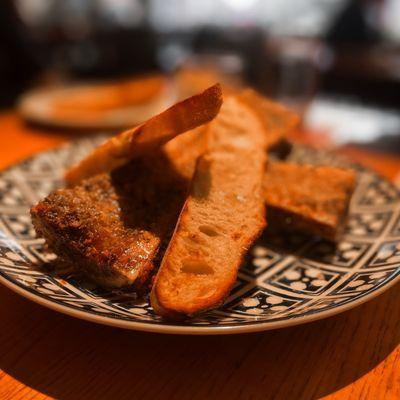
pixel 193 330
pixel 168 328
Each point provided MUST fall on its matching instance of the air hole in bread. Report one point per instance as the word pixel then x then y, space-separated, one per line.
pixel 198 267
pixel 208 230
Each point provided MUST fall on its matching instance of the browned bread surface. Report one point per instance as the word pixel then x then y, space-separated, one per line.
pixel 112 225
pixel 307 198
pixel 117 151
pixel 223 214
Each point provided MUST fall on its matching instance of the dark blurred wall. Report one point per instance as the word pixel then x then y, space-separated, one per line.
pixel 74 40
pixel 18 64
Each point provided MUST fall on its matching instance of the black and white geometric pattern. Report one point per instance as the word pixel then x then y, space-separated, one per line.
pixel 283 278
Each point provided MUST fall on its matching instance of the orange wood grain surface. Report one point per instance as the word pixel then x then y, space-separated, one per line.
pixel 43 354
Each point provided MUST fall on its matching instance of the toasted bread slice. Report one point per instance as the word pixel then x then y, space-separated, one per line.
pixel 307 198
pixel 278 121
pixel 222 215
pixel 117 151
pixel 111 226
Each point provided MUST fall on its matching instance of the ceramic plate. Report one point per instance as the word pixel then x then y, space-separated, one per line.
pixel 283 282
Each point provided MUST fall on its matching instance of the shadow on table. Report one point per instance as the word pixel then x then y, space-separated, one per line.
pixel 71 359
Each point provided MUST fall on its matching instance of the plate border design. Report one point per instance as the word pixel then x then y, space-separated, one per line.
pixel 254 323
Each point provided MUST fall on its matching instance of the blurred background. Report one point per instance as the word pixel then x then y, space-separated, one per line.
pixel 337 62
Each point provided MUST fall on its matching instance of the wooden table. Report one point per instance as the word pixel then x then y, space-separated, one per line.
pixel 43 354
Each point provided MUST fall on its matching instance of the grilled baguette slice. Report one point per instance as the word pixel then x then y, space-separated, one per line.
pixel 117 151
pixel 222 216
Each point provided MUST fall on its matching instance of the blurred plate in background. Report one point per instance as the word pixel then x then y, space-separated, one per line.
pixel 108 105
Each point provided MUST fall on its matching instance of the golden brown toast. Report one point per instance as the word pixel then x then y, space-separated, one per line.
pixel 222 216
pixel 111 226
pixel 117 151
pixel 307 198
